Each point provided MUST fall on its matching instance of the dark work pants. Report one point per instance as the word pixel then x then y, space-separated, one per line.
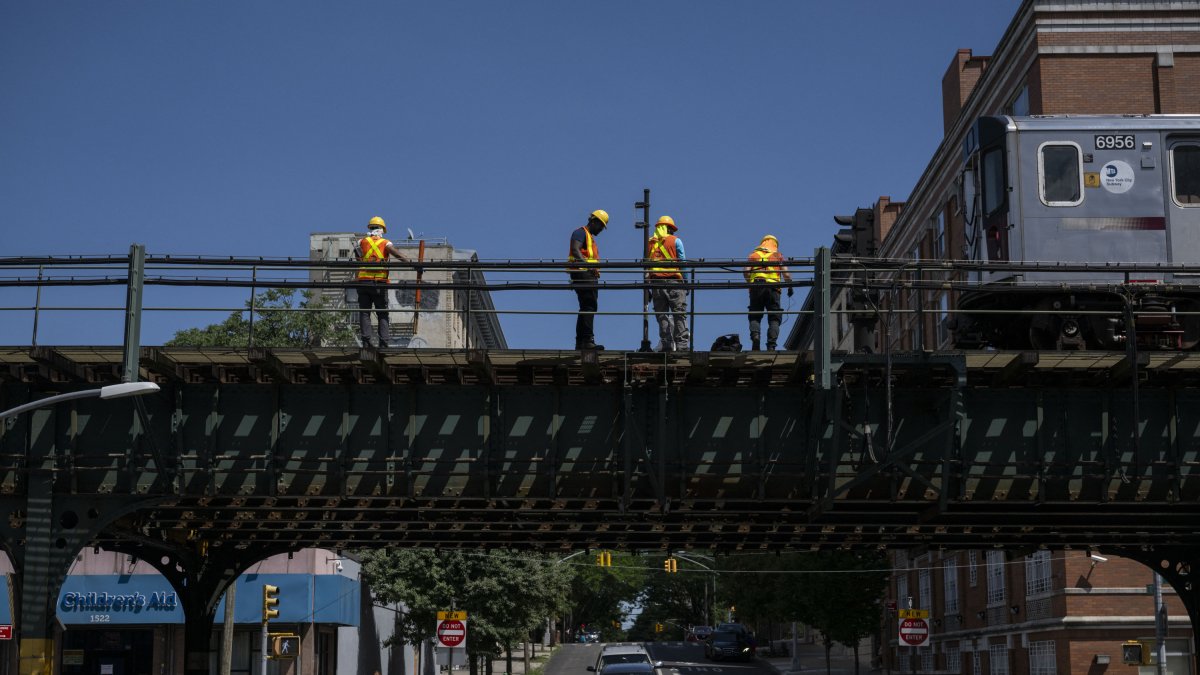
pixel 588 293
pixel 765 297
pixel 373 296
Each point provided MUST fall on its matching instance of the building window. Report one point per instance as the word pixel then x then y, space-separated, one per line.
pixel 1041 658
pixel 997 659
pixel 901 560
pixel 1019 106
pixel 1037 574
pixel 927 659
pixel 939 235
pixel 1060 174
pixel 972 565
pixel 995 578
pixel 924 588
pixel 950 587
pixel 1185 174
pixel 977 669
pixel 943 332
pixel 953 657
pixel 902 596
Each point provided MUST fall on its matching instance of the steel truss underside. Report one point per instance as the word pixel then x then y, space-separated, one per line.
pixel 272 450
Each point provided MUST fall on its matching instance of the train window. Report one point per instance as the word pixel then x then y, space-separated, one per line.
pixel 1060 174
pixel 1185 174
pixel 993 181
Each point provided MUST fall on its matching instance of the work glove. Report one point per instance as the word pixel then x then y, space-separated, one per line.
pixel 791 291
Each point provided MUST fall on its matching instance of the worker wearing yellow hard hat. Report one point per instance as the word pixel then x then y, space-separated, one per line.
pixel 584 279
pixel 765 273
pixel 373 251
pixel 665 249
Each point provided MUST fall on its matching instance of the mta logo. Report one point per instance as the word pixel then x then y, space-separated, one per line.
pixel 1110 171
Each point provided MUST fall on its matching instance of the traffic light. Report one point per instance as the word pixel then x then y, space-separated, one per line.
pixel 604 558
pixel 1135 653
pixel 658 628
pixel 671 565
pixel 270 602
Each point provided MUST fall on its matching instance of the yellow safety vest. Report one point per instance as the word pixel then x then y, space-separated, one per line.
pixel 373 250
pixel 769 273
pixel 664 249
pixel 591 253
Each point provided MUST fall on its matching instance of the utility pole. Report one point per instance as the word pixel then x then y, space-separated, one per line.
pixel 644 226
pixel 1160 628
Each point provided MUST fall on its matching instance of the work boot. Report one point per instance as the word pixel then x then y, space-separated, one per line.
pixel 754 342
pixel 589 345
pixel 770 346
pixel 366 343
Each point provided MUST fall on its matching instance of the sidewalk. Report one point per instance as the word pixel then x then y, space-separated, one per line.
pixel 536 661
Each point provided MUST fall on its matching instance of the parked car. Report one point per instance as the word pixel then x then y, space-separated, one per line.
pixel 725 644
pixel 699 633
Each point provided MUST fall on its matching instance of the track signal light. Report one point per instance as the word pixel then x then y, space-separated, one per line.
pixel 671 565
pixel 270 601
pixel 604 559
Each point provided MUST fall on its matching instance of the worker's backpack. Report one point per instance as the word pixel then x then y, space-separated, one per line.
pixel 727 343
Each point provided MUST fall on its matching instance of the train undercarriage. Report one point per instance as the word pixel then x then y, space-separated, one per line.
pixel 1154 317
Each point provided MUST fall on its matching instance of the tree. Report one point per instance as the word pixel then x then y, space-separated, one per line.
pixel 598 594
pixel 505 595
pixel 277 323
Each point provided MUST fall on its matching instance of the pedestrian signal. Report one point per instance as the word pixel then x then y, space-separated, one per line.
pixel 284 645
pixel 671 565
pixel 1135 653
pixel 270 601
pixel 604 558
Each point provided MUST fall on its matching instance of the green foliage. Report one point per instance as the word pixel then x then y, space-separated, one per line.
pixel 506 595
pixel 676 600
pixel 274 326
pixel 838 593
pixel 597 593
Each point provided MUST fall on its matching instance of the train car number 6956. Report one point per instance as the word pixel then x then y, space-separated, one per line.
pixel 1114 142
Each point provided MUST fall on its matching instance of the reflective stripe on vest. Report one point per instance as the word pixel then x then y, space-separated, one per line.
pixel 661 251
pixel 591 253
pixel 768 273
pixel 374 250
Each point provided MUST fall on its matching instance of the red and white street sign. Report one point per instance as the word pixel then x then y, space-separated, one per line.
pixel 452 633
pixel 6 632
pixel 914 632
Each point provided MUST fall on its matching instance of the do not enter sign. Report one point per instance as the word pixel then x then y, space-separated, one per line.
pixel 914 632
pixel 452 633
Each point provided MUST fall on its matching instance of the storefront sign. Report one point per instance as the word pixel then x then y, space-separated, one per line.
pixel 6 632
pixel 109 599
pixel 72 657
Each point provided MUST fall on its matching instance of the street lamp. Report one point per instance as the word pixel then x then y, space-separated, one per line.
pixel 111 391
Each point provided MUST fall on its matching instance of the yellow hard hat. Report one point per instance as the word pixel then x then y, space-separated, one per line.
pixel 601 215
pixel 771 237
pixel 668 221
pixel 377 222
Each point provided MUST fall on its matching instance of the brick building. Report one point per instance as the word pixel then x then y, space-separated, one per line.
pixel 1056 57
pixel 1047 613
pixel 995 611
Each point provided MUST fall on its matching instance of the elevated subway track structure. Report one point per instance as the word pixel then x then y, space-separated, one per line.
pixel 249 451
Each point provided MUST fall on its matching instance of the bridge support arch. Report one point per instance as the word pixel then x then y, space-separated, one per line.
pixel 1179 566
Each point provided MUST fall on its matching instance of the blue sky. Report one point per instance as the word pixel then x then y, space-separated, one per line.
pixel 237 128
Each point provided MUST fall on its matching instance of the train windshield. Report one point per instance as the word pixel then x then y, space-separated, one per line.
pixel 1185 162
pixel 993 180
pixel 1060 174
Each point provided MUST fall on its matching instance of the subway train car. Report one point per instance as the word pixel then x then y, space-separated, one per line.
pixel 1074 194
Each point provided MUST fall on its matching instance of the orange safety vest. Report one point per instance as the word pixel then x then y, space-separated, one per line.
pixel 373 250
pixel 768 273
pixel 591 253
pixel 663 249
